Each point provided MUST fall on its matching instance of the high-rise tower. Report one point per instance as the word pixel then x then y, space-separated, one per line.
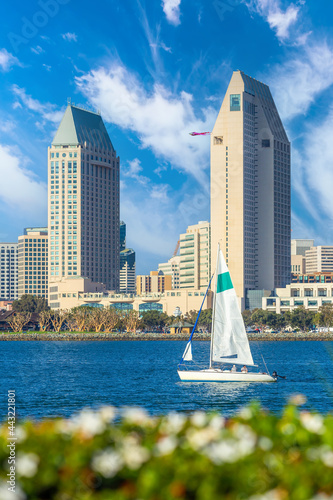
pixel 250 188
pixel 83 200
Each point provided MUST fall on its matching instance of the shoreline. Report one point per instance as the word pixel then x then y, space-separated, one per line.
pixel 77 336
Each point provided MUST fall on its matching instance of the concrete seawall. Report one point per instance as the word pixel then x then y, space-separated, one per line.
pixel 82 336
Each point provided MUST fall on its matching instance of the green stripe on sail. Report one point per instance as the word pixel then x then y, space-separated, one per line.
pixel 223 282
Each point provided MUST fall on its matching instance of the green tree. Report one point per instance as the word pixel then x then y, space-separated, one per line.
pixel 154 319
pixel 30 303
pixel 259 317
pixel 205 319
pixel 247 317
pixel 302 318
pixel 324 317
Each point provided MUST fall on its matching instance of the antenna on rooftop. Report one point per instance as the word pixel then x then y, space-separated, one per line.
pixel 69 101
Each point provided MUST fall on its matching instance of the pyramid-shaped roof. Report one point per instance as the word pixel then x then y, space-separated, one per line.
pixel 79 126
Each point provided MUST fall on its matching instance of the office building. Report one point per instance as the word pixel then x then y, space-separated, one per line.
pixel 250 189
pixel 8 271
pixel 298 249
pixel 171 268
pixel 33 262
pixel 127 282
pixel 155 282
pixel 319 259
pixel 195 251
pixel 83 197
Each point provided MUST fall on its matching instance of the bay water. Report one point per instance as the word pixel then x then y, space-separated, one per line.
pixel 53 378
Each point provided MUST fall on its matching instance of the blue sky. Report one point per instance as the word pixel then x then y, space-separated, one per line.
pixel 158 70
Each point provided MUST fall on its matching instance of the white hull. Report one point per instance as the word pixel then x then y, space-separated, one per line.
pixel 212 375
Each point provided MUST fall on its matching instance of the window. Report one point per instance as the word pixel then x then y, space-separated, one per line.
pixel 265 143
pixel 235 102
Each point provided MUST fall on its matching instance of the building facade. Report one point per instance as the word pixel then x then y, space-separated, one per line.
pixel 250 188
pixel 76 291
pixel 33 262
pixel 8 271
pixel 155 282
pixel 195 252
pixel 319 259
pixel 83 201
pixel 171 268
pixel 127 282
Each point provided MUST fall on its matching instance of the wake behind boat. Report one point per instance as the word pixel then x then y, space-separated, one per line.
pixel 229 342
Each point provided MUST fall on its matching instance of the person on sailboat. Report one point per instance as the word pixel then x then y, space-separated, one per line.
pixel 233 369
pixel 244 369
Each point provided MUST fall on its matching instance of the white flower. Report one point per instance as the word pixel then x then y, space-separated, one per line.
pixel 297 399
pixel 265 443
pixel 312 423
pixel 18 494
pixel 173 423
pixel 137 416
pixel 27 464
pixel 217 422
pixel 327 456
pixel 268 495
pixel 202 437
pixel 246 413
pixel 133 454
pixel 20 434
pixel 199 419
pixel 89 423
pixel 108 413
pixel 107 462
pixel 165 445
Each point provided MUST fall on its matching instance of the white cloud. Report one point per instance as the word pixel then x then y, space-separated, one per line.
pixel 279 20
pixel 296 83
pixel 37 50
pixel 318 164
pixel 48 111
pixel 7 60
pixel 172 11
pixel 20 190
pixel 161 120
pixel 134 170
pixel 69 37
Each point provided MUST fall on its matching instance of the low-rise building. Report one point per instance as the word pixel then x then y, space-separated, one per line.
pixel 319 259
pixel 77 291
pixel 310 294
pixel 171 268
pixel 155 282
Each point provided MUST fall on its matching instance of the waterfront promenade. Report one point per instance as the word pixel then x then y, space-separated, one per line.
pixel 81 336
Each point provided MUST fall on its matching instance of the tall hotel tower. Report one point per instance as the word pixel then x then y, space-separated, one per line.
pixel 250 189
pixel 83 201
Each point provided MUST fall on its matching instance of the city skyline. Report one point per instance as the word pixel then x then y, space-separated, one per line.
pixel 157 75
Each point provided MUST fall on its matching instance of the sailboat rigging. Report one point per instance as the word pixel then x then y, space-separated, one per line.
pixel 229 342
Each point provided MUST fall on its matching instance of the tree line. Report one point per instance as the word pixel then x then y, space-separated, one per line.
pixel 300 318
pixel 87 318
pixel 35 309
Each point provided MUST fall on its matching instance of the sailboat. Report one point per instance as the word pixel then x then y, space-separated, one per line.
pixel 229 343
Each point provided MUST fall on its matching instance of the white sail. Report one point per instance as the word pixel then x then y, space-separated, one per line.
pixel 187 356
pixel 230 343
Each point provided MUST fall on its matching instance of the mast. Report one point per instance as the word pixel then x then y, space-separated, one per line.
pixel 213 312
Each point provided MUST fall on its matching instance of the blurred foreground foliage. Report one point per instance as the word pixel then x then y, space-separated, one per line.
pixel 99 455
